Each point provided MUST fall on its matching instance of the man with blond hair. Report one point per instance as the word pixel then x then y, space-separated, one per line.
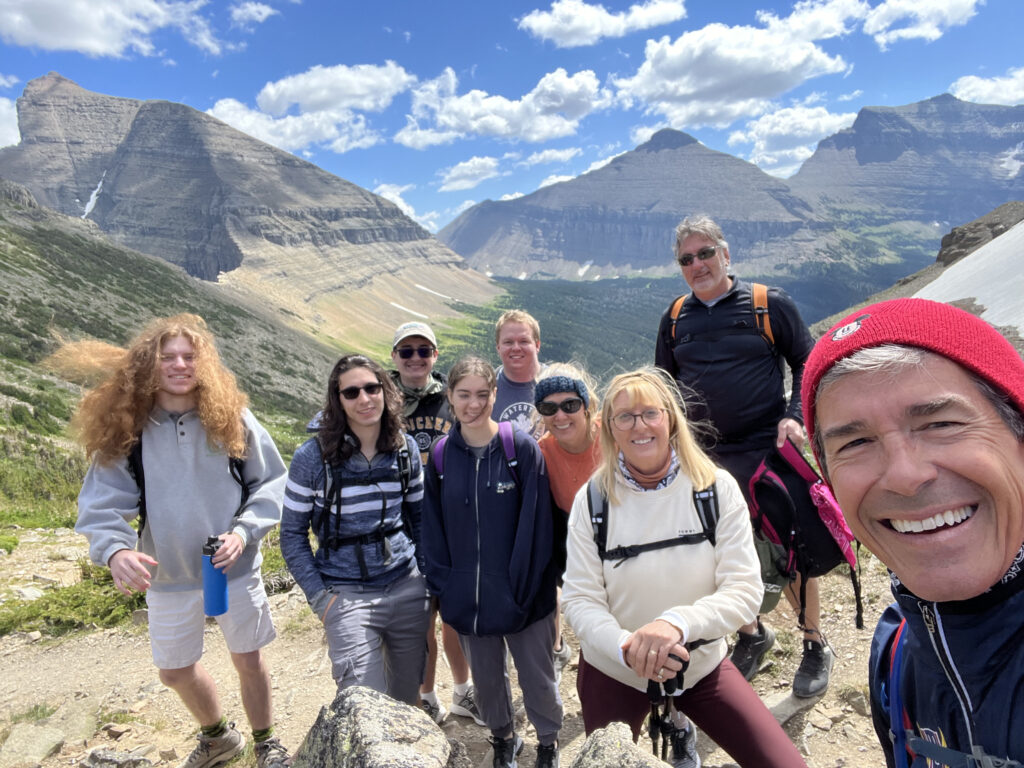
pixel 517 339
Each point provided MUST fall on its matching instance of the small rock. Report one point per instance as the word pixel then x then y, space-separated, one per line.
pixel 859 702
pixel 28 593
pixel 140 616
pixel 109 758
pixel 44 579
pixel 34 636
pixel 819 721
pixel 170 755
pixel 116 730
pixel 143 749
pixel 30 743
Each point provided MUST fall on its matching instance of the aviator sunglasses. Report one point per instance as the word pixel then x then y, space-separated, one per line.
pixel 406 352
pixel 705 253
pixel 351 393
pixel 547 408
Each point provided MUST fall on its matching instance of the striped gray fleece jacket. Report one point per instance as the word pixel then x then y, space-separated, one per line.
pixel 371 501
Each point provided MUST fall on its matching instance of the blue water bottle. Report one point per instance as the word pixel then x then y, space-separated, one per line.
pixel 215 582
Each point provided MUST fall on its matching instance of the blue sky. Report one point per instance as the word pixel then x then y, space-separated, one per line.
pixel 439 105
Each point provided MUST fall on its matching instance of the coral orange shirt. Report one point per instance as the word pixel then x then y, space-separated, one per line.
pixel 568 472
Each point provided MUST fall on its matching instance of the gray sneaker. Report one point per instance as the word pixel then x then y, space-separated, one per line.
pixel 437 711
pixel 562 658
pixel 213 750
pixel 751 649
pixel 506 751
pixel 271 754
pixel 815 668
pixel 684 747
pixel 465 706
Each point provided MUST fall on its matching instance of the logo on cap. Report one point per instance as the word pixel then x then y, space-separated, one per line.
pixel 851 327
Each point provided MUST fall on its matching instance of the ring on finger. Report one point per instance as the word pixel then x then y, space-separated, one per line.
pixel 653 652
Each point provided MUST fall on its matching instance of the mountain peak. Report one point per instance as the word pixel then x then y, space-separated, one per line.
pixel 667 138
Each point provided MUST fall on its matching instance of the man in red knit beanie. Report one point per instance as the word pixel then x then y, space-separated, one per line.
pixel 914 409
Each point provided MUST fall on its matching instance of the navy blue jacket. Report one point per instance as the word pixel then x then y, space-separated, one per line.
pixel 963 670
pixel 486 540
pixel 737 374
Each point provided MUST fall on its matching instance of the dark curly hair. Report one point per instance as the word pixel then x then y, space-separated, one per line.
pixel 337 441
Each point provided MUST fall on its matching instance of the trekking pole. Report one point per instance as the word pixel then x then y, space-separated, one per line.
pixel 654 721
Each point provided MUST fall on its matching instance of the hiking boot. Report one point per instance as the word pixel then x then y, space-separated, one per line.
pixel 750 650
pixel 465 706
pixel 562 658
pixel 271 754
pixel 812 675
pixel 547 756
pixel 684 747
pixel 506 751
pixel 213 750
pixel 436 711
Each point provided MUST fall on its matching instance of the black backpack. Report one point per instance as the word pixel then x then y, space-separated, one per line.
pixel 235 465
pixel 705 501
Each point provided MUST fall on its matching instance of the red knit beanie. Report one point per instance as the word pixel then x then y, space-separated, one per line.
pixel 931 325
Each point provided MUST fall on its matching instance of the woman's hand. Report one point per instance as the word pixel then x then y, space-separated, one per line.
pixel 646 651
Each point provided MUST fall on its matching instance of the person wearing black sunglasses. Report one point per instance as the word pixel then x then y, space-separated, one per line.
pixel 725 342
pixel 358 485
pixel 427 416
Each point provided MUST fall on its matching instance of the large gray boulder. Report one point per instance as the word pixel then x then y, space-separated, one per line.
pixel 363 728
pixel 613 747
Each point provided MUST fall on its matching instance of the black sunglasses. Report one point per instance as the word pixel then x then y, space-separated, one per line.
pixel 406 352
pixel 547 408
pixel 703 254
pixel 351 393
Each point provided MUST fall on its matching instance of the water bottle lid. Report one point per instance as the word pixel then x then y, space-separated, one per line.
pixel 211 546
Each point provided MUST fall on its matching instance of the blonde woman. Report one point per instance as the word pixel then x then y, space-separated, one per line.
pixel 681 598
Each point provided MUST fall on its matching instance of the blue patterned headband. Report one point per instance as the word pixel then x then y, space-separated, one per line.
pixel 553 384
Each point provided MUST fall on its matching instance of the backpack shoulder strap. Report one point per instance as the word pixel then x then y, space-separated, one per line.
pixel 139 475
pixel 597 506
pixel 761 319
pixel 674 311
pixel 894 701
pixel 437 454
pixel 508 447
pixel 404 468
pixel 706 502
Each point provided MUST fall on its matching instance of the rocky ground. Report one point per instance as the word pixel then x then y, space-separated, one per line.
pixel 110 673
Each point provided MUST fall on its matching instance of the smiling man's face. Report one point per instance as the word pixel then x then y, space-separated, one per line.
pixel 929 476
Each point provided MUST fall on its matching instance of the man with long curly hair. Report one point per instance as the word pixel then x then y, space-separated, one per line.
pixel 170 393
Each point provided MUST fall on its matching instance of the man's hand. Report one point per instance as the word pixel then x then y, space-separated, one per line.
pixel 129 571
pixel 229 551
pixel 792 429
pixel 646 651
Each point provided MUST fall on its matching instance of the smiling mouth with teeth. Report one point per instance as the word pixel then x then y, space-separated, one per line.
pixel 947 519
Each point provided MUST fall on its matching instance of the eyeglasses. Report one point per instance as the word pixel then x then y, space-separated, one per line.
pixel 569 405
pixel 406 352
pixel 705 253
pixel 652 417
pixel 351 393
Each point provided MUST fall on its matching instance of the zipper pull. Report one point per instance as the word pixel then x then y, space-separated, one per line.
pixel 929 617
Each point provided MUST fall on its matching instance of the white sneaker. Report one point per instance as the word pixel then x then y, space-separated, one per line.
pixel 465 706
pixel 562 658
pixel 437 711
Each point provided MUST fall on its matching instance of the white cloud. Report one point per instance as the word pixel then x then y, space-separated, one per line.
pixel 109 28
pixel 8 81
pixel 511 196
pixel 552 156
pixel 338 130
pixel 9 133
pixel 551 110
pixel 851 96
pixel 248 13
pixel 394 192
pixel 572 23
pixel 1008 89
pixel 785 138
pixel 469 173
pixel 366 87
pixel 717 74
pixel 462 207
pixel 597 164
pixel 554 179
pixel 641 134
pixel 917 19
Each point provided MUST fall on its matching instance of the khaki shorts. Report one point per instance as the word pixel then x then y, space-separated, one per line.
pixel 176 622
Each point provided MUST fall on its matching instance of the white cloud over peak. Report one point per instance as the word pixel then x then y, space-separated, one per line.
pixel 469 173
pixel 367 87
pixel 554 179
pixel 111 28
pixel 1008 89
pixel 572 23
pixel 718 74
pixel 248 13
pixel 8 81
pixel 394 192
pixel 785 138
pixel 551 110
pixel 895 20
pixel 339 130
pixel 552 156
pixel 9 133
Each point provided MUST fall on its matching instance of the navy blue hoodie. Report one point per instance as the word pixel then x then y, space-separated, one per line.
pixel 486 539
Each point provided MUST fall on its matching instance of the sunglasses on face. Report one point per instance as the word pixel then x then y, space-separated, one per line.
pixel 351 393
pixel 406 352
pixel 547 408
pixel 705 253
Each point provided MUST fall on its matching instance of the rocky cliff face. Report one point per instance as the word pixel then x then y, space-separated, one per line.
pixel 173 182
pixel 964 240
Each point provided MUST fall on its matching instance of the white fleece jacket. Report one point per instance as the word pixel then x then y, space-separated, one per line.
pixel 707 591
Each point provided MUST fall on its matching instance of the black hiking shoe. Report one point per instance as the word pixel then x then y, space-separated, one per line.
pixel 547 756
pixel 506 751
pixel 750 650
pixel 684 747
pixel 812 676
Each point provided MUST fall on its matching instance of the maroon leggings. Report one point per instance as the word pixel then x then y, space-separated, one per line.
pixel 723 705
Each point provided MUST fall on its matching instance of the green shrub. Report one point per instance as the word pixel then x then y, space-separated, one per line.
pixel 8 542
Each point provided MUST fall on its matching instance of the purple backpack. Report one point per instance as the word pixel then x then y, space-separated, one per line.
pixel 508 447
